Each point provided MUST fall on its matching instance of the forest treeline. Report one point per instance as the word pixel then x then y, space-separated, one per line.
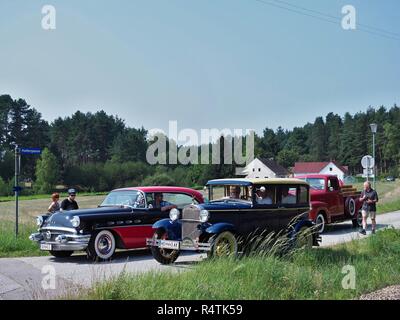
pixel 99 152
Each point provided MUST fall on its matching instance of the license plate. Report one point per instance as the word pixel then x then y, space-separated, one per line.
pixel 168 244
pixel 45 247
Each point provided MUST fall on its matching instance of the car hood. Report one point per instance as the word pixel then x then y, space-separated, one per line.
pixel 63 219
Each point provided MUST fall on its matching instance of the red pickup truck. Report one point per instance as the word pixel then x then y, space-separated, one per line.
pixel 331 201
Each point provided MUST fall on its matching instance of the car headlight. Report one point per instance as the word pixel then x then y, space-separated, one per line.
pixel 75 221
pixel 39 221
pixel 204 216
pixel 174 214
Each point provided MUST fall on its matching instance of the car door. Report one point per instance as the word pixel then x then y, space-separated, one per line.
pixel 334 197
pixel 288 205
pixel 261 217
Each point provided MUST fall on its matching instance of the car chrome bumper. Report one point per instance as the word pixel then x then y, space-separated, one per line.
pixel 63 242
pixel 179 245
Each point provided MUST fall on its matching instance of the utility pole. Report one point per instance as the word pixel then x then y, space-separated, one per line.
pixel 374 130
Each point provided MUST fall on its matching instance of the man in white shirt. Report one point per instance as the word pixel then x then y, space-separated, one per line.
pixel 264 198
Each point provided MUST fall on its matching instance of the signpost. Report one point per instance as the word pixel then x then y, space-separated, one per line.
pixel 17 189
pixel 368 163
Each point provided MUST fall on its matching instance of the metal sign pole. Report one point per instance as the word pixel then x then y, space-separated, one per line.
pixel 17 168
pixel 373 152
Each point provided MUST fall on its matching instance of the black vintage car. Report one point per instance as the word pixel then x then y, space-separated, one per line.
pixel 123 221
pixel 237 210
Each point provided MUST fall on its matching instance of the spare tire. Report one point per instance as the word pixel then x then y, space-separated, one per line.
pixel 350 206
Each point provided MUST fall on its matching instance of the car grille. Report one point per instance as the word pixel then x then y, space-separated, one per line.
pixel 190 222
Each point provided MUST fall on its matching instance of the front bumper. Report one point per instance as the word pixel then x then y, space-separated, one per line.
pixel 186 244
pixel 61 242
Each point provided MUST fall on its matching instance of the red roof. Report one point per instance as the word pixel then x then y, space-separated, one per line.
pixel 194 193
pixel 314 167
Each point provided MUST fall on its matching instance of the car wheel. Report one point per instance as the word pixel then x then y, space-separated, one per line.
pixel 320 222
pixel 61 254
pixel 223 244
pixel 351 206
pixel 101 246
pixel 357 222
pixel 304 238
pixel 163 256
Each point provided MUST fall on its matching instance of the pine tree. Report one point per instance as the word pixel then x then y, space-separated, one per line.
pixel 47 172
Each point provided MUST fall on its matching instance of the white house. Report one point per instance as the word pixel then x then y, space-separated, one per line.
pixel 263 168
pixel 302 168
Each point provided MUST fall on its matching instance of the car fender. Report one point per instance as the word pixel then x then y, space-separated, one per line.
pixel 173 228
pixel 317 206
pixel 305 223
pixel 220 227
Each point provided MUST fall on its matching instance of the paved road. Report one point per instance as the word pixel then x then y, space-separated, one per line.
pixel 23 278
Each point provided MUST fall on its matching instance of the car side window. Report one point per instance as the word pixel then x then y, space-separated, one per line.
pixel 265 195
pixel 333 184
pixel 179 199
pixel 287 195
pixel 303 194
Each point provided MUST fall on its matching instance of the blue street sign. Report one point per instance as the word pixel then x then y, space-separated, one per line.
pixel 17 189
pixel 31 151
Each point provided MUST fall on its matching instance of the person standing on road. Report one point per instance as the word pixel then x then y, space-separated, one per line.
pixel 55 204
pixel 70 203
pixel 369 198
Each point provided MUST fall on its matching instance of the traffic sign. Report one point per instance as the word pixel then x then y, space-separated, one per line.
pixel 368 173
pixel 17 189
pixel 31 151
pixel 368 162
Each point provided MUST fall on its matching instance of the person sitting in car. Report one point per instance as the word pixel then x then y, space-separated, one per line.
pixel 159 203
pixel 234 192
pixel 263 197
pixel 287 197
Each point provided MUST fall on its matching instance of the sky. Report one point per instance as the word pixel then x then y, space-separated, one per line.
pixel 237 64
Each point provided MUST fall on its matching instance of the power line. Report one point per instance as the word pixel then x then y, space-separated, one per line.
pixel 338 18
pixel 326 17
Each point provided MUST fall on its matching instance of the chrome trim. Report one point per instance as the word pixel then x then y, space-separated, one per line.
pixel 197 246
pixel 125 226
pixel 65 229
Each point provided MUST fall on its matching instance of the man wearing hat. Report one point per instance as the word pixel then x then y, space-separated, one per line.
pixel 69 203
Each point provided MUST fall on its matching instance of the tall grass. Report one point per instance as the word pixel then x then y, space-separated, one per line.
pixel 11 246
pixel 305 274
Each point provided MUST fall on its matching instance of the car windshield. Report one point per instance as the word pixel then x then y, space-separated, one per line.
pixel 121 198
pixel 229 192
pixel 315 183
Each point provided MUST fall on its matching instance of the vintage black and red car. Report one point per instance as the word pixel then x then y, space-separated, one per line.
pixel 236 213
pixel 122 221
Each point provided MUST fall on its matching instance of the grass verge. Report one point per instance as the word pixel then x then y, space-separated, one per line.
pixel 388 206
pixel 10 246
pixel 310 274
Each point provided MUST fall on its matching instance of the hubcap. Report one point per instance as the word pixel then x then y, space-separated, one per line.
pixel 320 222
pixel 224 247
pixel 104 244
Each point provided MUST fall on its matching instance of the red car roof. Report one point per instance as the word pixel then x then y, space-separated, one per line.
pixel 194 193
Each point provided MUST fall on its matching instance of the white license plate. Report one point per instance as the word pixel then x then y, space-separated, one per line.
pixel 168 244
pixel 45 247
